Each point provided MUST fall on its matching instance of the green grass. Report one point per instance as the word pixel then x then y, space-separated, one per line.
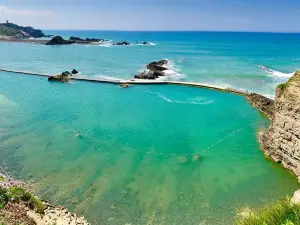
pixel 2 178
pixel 20 194
pixel 34 202
pixel 3 198
pixel 7 31
pixel 282 86
pixel 15 193
pixel 282 212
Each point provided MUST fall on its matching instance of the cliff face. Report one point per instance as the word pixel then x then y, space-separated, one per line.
pixel 282 141
pixel 262 103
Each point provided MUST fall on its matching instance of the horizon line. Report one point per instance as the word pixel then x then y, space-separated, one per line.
pixel 216 31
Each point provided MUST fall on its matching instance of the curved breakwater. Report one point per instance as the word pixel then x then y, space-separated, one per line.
pixel 138 81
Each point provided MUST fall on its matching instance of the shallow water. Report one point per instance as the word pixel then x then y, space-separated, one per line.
pixel 122 156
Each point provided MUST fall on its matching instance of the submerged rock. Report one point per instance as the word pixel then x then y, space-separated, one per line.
pixel 124 85
pixel 182 159
pixel 58 40
pixel 154 70
pixel 196 157
pixel 64 77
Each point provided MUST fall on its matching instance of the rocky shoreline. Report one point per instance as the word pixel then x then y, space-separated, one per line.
pixel 282 140
pixel 19 206
pixel 58 40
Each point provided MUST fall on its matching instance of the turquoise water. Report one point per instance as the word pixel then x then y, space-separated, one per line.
pixel 147 154
pixel 227 59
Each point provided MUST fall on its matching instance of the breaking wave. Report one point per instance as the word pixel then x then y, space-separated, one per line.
pixel 109 44
pixel 108 77
pixel 172 73
pixel 274 73
pixel 192 101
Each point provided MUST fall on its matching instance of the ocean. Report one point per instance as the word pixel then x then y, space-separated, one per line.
pixel 146 154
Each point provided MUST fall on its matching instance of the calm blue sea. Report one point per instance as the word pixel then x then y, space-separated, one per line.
pixel 146 154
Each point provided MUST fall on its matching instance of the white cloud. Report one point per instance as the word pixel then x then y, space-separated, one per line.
pixel 24 16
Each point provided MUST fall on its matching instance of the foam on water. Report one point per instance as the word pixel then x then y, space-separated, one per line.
pixel 109 44
pixel 190 101
pixel 108 77
pixel 172 73
pixel 275 73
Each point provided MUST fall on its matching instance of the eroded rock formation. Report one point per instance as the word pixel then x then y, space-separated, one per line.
pixel 154 70
pixel 282 141
pixel 64 77
pixel 262 103
pixel 58 40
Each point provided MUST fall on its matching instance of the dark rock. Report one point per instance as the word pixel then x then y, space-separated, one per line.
pixel 163 61
pixel 94 40
pixel 154 70
pixel 149 75
pixel 156 67
pixel 64 77
pixel 262 103
pixel 57 40
pixel 146 43
pixel 75 39
pixel 122 43
pixel 74 71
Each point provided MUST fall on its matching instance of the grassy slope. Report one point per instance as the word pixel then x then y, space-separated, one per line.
pixel 6 31
pixel 282 212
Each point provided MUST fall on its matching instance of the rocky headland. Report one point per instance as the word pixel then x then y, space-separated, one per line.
pixel 16 31
pixel 10 32
pixel 282 140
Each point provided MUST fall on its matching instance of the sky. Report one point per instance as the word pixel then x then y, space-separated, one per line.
pixel 157 15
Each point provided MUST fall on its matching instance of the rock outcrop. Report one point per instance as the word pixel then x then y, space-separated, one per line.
pixel 94 40
pixel 122 43
pixel 58 40
pixel 282 141
pixel 11 29
pixel 262 103
pixel 85 41
pixel 64 77
pixel 296 197
pixel 74 71
pixel 154 70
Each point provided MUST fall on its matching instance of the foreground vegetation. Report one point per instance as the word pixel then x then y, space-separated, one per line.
pixel 15 200
pixel 282 212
